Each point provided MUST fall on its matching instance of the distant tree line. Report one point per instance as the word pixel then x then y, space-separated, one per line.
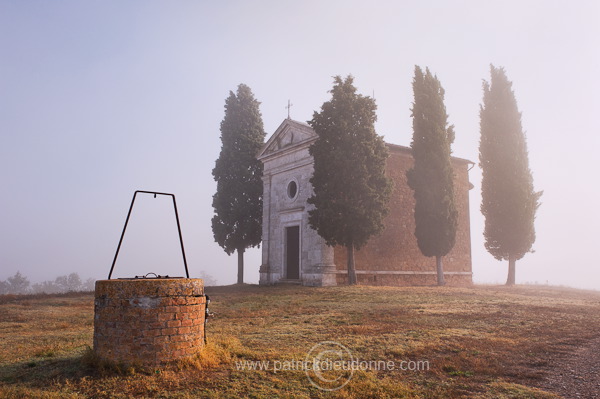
pixel 19 284
pixel 209 280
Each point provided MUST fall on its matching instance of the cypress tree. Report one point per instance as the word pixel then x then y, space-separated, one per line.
pixel 351 190
pixel 237 223
pixel 509 202
pixel 432 176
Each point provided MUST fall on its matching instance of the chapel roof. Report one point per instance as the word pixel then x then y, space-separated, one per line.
pixel 292 132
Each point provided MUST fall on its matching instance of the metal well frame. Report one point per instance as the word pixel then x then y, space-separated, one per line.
pixel 127 221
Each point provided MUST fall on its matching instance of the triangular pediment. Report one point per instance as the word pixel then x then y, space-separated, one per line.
pixel 288 135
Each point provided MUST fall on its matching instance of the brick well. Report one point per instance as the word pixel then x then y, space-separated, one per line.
pixel 148 321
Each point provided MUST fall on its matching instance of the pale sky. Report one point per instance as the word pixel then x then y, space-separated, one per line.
pixel 100 98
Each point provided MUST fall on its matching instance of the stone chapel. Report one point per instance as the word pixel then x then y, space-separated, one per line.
pixel 293 252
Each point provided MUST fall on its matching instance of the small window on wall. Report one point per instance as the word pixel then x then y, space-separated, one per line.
pixel 292 189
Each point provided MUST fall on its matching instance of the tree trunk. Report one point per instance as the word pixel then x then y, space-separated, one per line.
pixel 351 268
pixel 240 279
pixel 440 271
pixel 512 263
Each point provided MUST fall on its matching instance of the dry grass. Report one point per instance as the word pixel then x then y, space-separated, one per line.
pixel 480 342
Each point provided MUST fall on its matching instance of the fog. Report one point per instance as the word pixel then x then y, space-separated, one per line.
pixel 99 99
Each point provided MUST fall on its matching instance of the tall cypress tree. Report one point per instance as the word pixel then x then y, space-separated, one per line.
pixel 351 190
pixel 237 223
pixel 432 176
pixel 509 202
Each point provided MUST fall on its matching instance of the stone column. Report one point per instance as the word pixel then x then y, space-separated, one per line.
pixel 265 271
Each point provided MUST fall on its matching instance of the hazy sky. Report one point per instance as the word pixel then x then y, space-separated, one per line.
pixel 100 98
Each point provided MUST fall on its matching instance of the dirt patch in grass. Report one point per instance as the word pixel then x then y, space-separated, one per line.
pixel 479 342
pixel 577 375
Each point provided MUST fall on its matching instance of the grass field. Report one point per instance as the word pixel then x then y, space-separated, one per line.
pixel 479 342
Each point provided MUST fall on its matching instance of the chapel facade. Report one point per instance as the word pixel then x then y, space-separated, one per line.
pixel 293 252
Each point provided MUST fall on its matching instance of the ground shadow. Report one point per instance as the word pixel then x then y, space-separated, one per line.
pixel 38 371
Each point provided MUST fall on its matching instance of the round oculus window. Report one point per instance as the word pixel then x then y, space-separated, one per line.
pixel 292 189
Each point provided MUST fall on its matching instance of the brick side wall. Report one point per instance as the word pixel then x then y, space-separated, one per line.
pixel 396 248
pixel 148 322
